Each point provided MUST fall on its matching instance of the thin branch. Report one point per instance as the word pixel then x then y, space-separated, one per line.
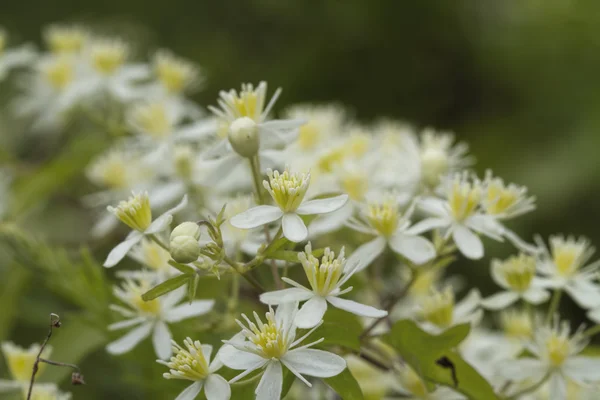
pixel 54 323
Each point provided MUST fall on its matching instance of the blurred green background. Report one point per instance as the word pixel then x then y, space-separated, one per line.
pixel 516 79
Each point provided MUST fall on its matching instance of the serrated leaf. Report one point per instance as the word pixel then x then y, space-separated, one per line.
pixel 167 286
pixel 186 269
pixel 345 385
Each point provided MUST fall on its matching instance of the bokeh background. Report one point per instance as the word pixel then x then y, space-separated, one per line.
pixel 517 79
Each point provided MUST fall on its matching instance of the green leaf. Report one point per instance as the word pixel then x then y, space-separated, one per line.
pixel 288 381
pixel 167 286
pixel 345 385
pixel 186 269
pixel 432 357
pixel 13 281
pixel 347 337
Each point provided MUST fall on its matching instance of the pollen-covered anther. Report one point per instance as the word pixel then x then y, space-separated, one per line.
pixel 287 189
pixel 135 212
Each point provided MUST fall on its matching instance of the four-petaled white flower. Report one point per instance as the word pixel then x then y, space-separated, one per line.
pixel 384 219
pixel 556 359
pixel 440 312
pixel 272 343
pixel 151 316
pixel 287 190
pixel 517 275
pixel 326 279
pixel 564 267
pixel 193 364
pixel 137 214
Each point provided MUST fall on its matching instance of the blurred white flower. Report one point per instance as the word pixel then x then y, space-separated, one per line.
pixel 65 39
pixel 15 57
pixel 268 345
pixel 151 317
pixel 410 385
pixel 45 391
pixel 326 279
pixel 20 364
pixel 439 310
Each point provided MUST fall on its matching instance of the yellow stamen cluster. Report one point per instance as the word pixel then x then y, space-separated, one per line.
pixel 270 339
pixel 20 361
pixel 107 56
pixel 411 381
pixel 424 281
pixel 384 216
pixel 517 271
pixel 463 198
pixel 174 73
pixel 135 212
pixel 249 102
pixel 152 118
pixel 323 122
pixel 332 158
pixel 308 135
pixel 558 348
pixel 154 256
pixel 183 156
pixel 435 156
pixel 517 324
pixel 58 72
pixel 190 364
pixel 569 254
pixel 65 39
pixel 438 307
pixel 131 291
pixel 287 189
pixel 355 184
pixel 111 170
pixel 502 199
pixel 324 276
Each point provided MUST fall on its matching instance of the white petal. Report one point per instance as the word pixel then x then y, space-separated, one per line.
pixel 468 304
pixel 197 130
pixel 217 388
pixel 486 225
pixel 416 248
pixel 322 206
pixel 256 216
pixel 162 222
pixel 433 206
pixel 594 315
pixel 219 169
pixel 585 293
pixel 269 387
pixel 356 308
pixel 312 362
pixel 522 369
pixel 428 224
pixel 187 310
pixel 9 386
pixel 206 351
pixel 536 295
pixel 330 222
pixel 126 324
pixel 311 313
pixel 500 300
pixel 557 387
pixel 121 250
pixel 191 391
pixel 237 359
pixel 467 242
pixel 161 340
pixel 294 228
pixel 129 341
pixel 366 253
pixel 281 296
pixel 582 369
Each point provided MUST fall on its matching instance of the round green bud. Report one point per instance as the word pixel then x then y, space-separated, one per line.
pixel 184 249
pixel 186 229
pixel 243 136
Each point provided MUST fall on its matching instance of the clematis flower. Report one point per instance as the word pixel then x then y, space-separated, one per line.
pixel 272 344
pixel 13 58
pixel 65 39
pixel 20 364
pixel 517 276
pixel 151 317
pixel 287 191
pixel 440 311
pixel 193 364
pixel 411 386
pixel 563 267
pixel 45 391
pixel 137 214
pixel 557 359
pixel 392 229
pixel 326 279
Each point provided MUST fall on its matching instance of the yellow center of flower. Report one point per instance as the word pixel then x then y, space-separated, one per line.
pixel 463 199
pixel 153 119
pixel 174 73
pixel 434 164
pixel 323 277
pixel 270 339
pixel 517 324
pixel 135 212
pixel 188 364
pixel 568 255
pixel 287 189
pixel 59 72
pixel 557 348
pixel 424 281
pixel 383 217
pixel 412 382
pixel 355 184
pixel 154 256
pixel 332 158
pixel 518 271
pixel 358 144
pixel 65 40
pixel 308 136
pixel 108 56
pixel 438 307
pixel 20 361
pixel 131 292
pixel 110 171
pixel 500 198
pixel 246 103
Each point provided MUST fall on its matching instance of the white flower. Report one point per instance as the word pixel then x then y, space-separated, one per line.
pixel 65 39
pixel 458 215
pixel 410 385
pixel 193 364
pixel 439 310
pixel 151 317
pixel 384 219
pixel 268 345
pixel 517 275
pixel 505 201
pixel 137 214
pixel 287 190
pixel 564 267
pixel 45 391
pixel 326 279
pixel 13 58
pixel 20 364
pixel 556 357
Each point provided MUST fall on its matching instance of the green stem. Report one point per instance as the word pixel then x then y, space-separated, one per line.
pixel 553 305
pixel 159 242
pixel 529 389
pixel 255 168
pixel 592 331
pixel 247 277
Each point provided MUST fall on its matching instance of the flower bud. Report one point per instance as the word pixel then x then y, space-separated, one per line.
pixel 184 249
pixel 243 136
pixel 186 229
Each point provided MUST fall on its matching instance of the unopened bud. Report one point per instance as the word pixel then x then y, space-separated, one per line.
pixel 185 249
pixel 186 229
pixel 243 136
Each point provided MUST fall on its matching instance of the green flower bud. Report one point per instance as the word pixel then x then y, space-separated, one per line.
pixel 243 136
pixel 186 229
pixel 184 249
